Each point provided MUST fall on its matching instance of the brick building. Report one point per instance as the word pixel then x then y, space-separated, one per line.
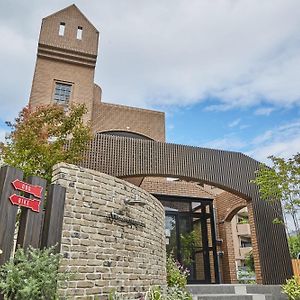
pixel 198 215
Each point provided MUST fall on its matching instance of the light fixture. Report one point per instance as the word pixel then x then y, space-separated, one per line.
pixel 137 201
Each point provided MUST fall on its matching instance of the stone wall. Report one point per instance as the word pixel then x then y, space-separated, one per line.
pixel 105 254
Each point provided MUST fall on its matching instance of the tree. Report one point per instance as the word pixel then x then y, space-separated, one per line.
pixel 294 245
pixel 44 136
pixel 281 182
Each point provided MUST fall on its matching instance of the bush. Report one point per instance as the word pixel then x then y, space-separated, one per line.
pixel 292 288
pixel 176 273
pixel 168 293
pixel 31 275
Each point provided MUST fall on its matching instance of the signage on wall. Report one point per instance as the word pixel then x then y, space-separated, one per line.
pixel 33 204
pixel 35 190
pixel 117 217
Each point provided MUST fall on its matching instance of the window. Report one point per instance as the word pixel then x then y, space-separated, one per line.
pixel 62 93
pixel 61 30
pixel 246 243
pixel 79 33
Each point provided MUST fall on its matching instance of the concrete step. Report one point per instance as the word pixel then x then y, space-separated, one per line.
pixel 233 297
pixel 227 290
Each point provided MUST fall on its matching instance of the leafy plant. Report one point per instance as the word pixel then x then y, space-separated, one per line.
pixel 292 288
pixel 168 293
pixel 249 261
pixel 39 138
pixel 294 245
pixel 281 182
pixel 187 241
pixel 176 273
pixel 246 276
pixel 243 220
pixel 113 295
pixel 31 275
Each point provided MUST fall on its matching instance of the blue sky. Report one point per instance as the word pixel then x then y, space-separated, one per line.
pixel 226 72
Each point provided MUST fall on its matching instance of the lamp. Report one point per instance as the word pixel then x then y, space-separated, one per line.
pixel 137 201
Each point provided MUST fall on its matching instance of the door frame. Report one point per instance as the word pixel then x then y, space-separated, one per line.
pixel 203 216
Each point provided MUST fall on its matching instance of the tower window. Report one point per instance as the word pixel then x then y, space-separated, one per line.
pixel 79 33
pixel 62 93
pixel 61 30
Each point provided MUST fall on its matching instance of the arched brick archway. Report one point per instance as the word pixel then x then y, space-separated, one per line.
pixel 228 205
pixel 231 171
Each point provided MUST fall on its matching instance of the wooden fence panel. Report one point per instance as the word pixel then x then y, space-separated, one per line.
pixel 31 223
pixel 296 267
pixel 54 217
pixel 8 212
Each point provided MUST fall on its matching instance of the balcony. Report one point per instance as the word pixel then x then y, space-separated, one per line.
pixel 243 230
pixel 244 251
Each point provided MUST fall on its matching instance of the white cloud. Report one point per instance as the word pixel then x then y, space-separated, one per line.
pixel 2 135
pixel 282 141
pixel 234 123
pixel 170 52
pixel 229 142
pixel 264 111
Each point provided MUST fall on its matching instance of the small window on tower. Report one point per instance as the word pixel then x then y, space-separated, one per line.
pixel 61 30
pixel 62 93
pixel 79 33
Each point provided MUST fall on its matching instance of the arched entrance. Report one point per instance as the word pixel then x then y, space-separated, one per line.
pixel 231 171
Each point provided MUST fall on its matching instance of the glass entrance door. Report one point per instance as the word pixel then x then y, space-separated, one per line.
pixel 190 238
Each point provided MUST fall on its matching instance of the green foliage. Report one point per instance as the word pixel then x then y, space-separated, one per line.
pixel 249 261
pixel 42 137
pixel 281 182
pixel 113 295
pixel 246 276
pixel 292 288
pixel 244 220
pixel 168 293
pixel 187 241
pixel 31 275
pixel 294 245
pixel 176 274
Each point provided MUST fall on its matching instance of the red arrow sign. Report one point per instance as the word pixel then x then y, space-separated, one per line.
pixel 34 190
pixel 33 204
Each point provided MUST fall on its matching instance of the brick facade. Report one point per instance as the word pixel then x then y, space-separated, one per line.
pixel 104 254
pixel 69 60
pixel 112 117
pixel 227 206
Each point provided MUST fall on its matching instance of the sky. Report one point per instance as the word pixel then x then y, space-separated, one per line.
pixel 226 72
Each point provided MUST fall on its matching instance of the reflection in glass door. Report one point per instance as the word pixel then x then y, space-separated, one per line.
pixel 190 236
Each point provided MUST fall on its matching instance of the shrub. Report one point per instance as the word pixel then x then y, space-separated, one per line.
pixel 292 288
pixel 31 275
pixel 176 273
pixel 168 293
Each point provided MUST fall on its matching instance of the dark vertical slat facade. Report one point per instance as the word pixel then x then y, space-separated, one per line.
pixel 231 171
pixel 8 212
pixel 54 214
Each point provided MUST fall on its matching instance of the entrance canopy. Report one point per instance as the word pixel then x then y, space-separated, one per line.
pixel 231 171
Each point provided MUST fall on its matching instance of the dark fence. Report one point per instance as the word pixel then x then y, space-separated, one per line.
pixel 41 218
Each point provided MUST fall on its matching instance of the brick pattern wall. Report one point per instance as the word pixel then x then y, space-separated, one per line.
pixel 176 188
pixel 73 18
pixel 104 254
pixel 228 205
pixel 48 71
pixel 108 117
pixel 66 59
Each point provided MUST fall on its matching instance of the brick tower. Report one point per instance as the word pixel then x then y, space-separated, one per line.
pixel 66 60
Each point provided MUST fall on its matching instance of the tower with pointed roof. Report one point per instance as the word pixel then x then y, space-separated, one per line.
pixel 66 60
